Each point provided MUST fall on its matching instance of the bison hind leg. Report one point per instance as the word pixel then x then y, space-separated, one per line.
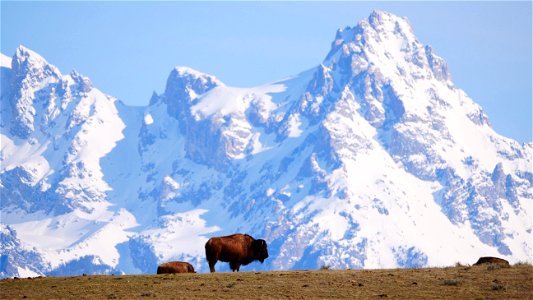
pixel 235 266
pixel 212 266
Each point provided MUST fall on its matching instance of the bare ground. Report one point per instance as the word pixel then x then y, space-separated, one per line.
pixel 461 282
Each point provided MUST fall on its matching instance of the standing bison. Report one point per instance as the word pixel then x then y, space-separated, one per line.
pixel 237 249
pixel 172 267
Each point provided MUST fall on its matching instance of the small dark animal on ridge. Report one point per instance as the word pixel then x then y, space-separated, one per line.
pixel 173 267
pixel 237 249
pixel 492 260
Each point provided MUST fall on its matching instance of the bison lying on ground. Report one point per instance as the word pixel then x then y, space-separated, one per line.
pixel 492 260
pixel 237 249
pixel 173 267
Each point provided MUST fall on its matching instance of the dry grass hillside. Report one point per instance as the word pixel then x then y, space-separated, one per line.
pixel 461 282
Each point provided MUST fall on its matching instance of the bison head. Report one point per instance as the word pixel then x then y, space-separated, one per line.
pixel 260 250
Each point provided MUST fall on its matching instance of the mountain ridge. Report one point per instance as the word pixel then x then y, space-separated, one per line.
pixel 372 159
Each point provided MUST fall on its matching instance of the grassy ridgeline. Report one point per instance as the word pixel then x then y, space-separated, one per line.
pixel 475 282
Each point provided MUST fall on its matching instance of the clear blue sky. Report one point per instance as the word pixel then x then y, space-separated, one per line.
pixel 129 48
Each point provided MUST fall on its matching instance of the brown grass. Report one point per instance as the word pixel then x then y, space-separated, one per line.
pixel 453 282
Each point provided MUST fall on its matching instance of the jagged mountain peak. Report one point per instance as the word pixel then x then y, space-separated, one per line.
pixel 387 43
pixel 381 22
pixel 388 21
pixel 184 71
pixel 26 62
pixel 23 51
pixel 30 68
pixel 191 79
pixel 185 84
pixel 41 93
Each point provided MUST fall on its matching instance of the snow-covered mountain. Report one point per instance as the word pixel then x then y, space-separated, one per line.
pixel 372 159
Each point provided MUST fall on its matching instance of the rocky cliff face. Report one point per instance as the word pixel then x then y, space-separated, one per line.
pixel 372 159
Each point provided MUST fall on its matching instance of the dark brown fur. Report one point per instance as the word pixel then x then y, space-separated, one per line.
pixel 237 249
pixel 173 267
pixel 492 260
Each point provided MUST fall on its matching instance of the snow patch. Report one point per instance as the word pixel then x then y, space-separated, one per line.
pixel 182 233
pixel 148 119
pixel 226 100
pixel 294 126
pixel 5 61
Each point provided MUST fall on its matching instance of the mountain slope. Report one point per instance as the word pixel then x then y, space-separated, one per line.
pixel 372 159
pixel 55 130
